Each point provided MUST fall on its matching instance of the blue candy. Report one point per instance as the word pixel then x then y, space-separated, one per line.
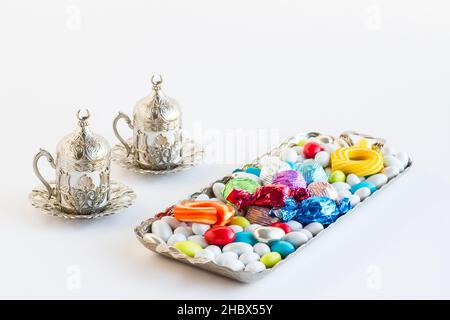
pixel 253 170
pixel 364 184
pixel 284 248
pixel 246 237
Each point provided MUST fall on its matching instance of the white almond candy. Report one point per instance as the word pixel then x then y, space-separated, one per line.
pixel 199 240
pixel 353 179
pixel 314 228
pixel 246 175
pixel 238 248
pixel 248 257
pixel 216 200
pixel 261 248
pixel 379 179
pixel 339 186
pixel 307 233
pixel 202 197
pixel 391 172
pixel 215 250
pixel 391 161
pixel 255 267
pixel 234 265
pixel 224 257
pixel 205 254
pixel 322 158
pixel 217 189
pixel 362 193
pixel 288 155
pixel 298 149
pixel 251 227
pixel 185 230
pixel 236 228
pixel 175 238
pixel 388 150
pixel 171 221
pixel 295 226
pixel 344 194
pixel 200 228
pixel 300 159
pixel 162 230
pixel 330 148
pixel 354 200
pixel 296 238
pixel 403 157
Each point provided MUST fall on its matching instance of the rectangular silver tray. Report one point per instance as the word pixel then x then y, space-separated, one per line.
pixel 243 276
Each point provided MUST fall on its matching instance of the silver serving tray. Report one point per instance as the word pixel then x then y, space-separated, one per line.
pixel 157 245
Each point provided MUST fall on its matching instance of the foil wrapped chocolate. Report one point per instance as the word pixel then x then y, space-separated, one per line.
pixel 323 189
pixel 314 209
pixel 245 184
pixel 266 196
pixel 312 172
pixel 300 194
pixel 286 213
pixel 260 215
pixel 321 209
pixel 290 178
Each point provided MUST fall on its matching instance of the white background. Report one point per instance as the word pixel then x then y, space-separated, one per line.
pixel 380 67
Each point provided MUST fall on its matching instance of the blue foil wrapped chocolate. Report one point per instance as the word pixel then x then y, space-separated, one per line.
pixel 321 209
pixel 312 172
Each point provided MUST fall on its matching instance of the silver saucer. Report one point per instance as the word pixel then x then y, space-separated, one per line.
pixel 122 197
pixel 192 155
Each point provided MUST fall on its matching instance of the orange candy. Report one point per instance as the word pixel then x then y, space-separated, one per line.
pixel 207 212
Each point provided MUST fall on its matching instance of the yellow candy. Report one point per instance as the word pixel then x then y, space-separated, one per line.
pixel 357 160
pixel 188 247
pixel 364 143
pixel 302 142
pixel 239 221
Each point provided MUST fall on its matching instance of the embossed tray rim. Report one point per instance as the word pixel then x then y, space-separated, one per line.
pixel 162 248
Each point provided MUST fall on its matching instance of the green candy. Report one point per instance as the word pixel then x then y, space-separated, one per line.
pixel 188 247
pixel 270 259
pixel 246 184
pixel 337 176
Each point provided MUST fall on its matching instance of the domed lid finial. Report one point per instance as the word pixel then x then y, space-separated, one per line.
pixel 83 119
pixel 157 82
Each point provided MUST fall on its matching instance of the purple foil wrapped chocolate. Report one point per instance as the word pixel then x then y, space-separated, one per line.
pixel 290 178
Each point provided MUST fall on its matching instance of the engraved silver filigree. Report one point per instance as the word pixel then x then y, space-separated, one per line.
pixel 192 155
pixel 157 137
pixel 82 166
pixel 121 197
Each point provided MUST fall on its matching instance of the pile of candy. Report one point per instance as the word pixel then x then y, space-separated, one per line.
pixel 256 218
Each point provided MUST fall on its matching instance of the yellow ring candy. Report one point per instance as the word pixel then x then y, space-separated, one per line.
pixel 357 160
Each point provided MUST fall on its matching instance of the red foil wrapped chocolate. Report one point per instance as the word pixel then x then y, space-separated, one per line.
pixel 300 194
pixel 266 196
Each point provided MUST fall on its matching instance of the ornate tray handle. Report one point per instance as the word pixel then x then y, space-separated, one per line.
pixel 116 132
pixel 40 154
pixel 346 138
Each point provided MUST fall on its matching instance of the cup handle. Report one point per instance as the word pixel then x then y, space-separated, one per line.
pixel 116 132
pixel 40 154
